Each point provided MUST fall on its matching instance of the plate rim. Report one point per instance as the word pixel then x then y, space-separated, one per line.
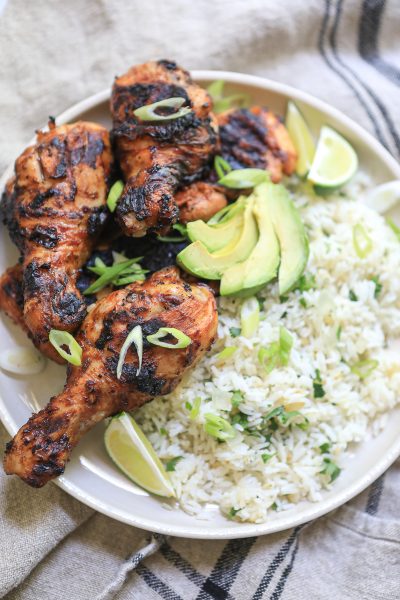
pixel 319 509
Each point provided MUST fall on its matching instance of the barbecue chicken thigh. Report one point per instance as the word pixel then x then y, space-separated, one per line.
pixel 158 157
pixel 12 296
pixel 54 208
pixel 42 446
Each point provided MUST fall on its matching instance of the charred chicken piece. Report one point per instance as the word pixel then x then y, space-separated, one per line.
pixel 12 296
pixel 257 138
pixel 54 208
pixel 158 157
pixel 201 200
pixel 42 447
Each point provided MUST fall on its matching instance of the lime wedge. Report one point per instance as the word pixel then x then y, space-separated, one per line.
pixel 335 162
pixel 384 197
pixel 132 452
pixel 301 137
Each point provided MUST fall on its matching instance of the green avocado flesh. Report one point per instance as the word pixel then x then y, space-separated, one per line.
pixel 216 237
pixel 291 235
pixel 197 260
pixel 249 276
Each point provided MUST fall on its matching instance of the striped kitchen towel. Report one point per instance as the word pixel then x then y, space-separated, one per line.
pixel 56 53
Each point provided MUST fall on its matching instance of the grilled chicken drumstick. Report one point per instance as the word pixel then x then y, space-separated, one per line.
pixel 41 448
pixel 12 296
pixel 158 157
pixel 54 208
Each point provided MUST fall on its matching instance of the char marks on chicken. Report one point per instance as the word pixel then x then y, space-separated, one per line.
pixel 158 157
pixel 42 447
pixel 54 208
pixel 256 138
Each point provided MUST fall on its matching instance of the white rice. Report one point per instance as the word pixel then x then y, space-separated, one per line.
pixel 232 474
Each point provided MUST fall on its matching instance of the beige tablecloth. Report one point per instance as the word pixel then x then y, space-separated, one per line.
pixel 55 53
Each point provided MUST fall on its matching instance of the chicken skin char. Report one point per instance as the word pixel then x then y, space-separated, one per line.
pixel 41 448
pixel 54 208
pixel 256 138
pixel 158 157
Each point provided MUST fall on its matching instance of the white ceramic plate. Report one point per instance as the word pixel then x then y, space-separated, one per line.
pixel 90 476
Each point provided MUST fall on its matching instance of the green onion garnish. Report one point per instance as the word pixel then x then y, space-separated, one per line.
pixel 266 457
pixel 277 353
pixel 363 368
pixel 226 353
pixel 183 340
pixel 218 427
pixel 395 228
pixel 361 241
pixel 378 286
pixel 330 469
pixel 114 195
pixel 233 512
pixel 58 339
pixel 235 331
pixel 221 103
pixel 237 398
pixel 244 178
pixel 148 112
pixel 325 448
pixel 194 412
pixel 221 166
pixel 134 337
pixel 120 273
pixel 306 282
pixel 250 316
pixel 353 296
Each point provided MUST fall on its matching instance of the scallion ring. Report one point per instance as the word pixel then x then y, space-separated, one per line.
pixel 250 317
pixel 183 340
pixel 218 427
pixel 58 339
pixel 244 178
pixel 226 353
pixel 148 111
pixel 361 241
pixel 221 166
pixel 364 368
pixel 134 337
pixel 114 195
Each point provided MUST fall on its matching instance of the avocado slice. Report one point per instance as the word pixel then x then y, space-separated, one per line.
pixel 197 260
pixel 216 237
pixel 248 277
pixel 291 235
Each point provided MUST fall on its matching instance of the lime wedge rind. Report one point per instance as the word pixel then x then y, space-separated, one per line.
pixel 384 197
pixel 335 161
pixel 301 137
pixel 153 477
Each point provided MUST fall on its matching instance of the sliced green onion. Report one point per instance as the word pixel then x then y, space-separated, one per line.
pixel 226 353
pixel 362 242
pixel 112 274
pixel 250 316
pixel 306 282
pixel 363 368
pixel 118 257
pixel 183 340
pixel 266 457
pixel 325 448
pixel 148 112
pixel 244 178
pixel 114 195
pixel 235 331
pixel 393 227
pixel 218 427
pixel 378 286
pixel 318 388
pixel 221 103
pixel 237 398
pixel 285 343
pixel 58 339
pixel 171 464
pixel 194 413
pixel 171 238
pixel 134 337
pixel 221 166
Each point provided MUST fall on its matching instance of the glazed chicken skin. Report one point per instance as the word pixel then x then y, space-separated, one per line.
pixel 54 208
pixel 256 138
pixel 42 447
pixel 12 295
pixel 158 157
pixel 201 200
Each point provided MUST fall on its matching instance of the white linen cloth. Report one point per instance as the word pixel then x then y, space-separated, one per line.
pixel 53 54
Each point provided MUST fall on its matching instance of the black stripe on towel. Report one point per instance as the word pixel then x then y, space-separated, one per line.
pixel 156 584
pixel 378 103
pixel 226 569
pixel 173 557
pixel 368 39
pixel 374 496
pixel 321 45
pixel 285 575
